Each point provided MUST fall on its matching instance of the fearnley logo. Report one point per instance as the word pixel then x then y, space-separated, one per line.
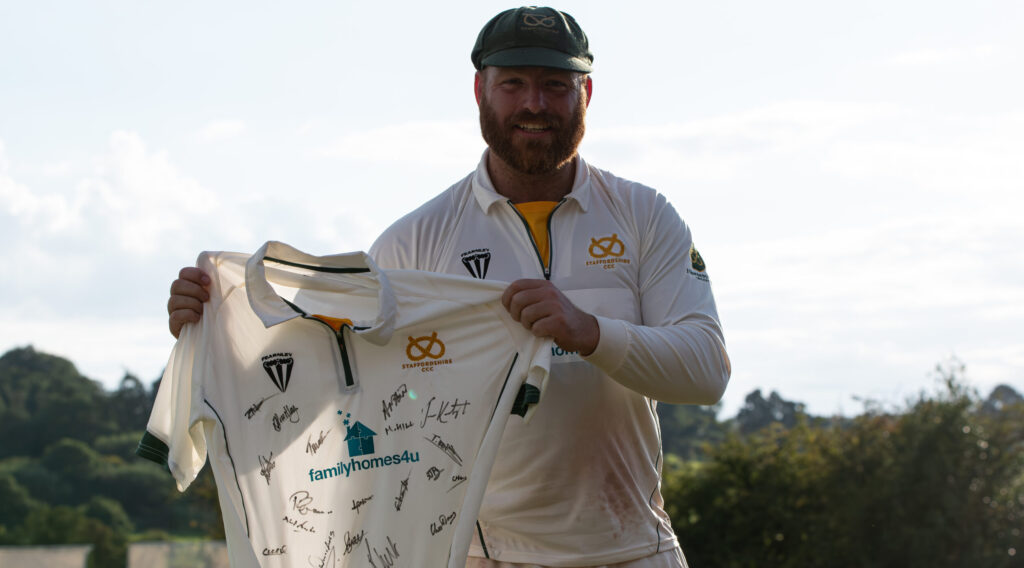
pixel 360 443
pixel 607 251
pixel 425 352
pixel 477 261
pixel 279 368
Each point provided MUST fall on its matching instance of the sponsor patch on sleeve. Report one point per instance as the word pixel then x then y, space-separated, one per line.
pixel 697 266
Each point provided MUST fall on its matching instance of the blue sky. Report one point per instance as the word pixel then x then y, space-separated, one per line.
pixel 853 173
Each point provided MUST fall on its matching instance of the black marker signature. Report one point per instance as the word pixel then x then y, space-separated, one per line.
pixel 352 541
pixel 357 504
pixel 299 526
pixel 311 446
pixel 401 492
pixel 267 465
pixel 289 414
pixel 448 410
pixel 302 502
pixel 397 427
pixel 257 405
pixel 388 406
pixel 442 521
pixel 387 560
pixel 457 480
pixel 283 549
pixel 445 447
pixel 327 560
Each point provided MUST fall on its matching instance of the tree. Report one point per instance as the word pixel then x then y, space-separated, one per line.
pixel 758 412
pixel 72 525
pixel 17 504
pixel 937 485
pixel 1001 397
pixel 130 404
pixel 46 399
pixel 686 429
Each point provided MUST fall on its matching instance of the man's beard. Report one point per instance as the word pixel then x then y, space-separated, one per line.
pixel 533 157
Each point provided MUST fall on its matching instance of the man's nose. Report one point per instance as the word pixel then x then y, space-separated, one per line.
pixel 536 101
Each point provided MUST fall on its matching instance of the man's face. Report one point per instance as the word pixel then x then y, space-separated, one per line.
pixel 532 117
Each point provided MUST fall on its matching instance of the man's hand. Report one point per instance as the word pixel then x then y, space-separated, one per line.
pixel 188 293
pixel 547 312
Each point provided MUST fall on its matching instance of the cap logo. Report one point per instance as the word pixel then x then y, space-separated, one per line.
pixel 533 20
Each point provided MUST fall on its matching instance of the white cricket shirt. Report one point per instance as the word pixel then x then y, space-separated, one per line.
pixel 579 485
pixel 366 443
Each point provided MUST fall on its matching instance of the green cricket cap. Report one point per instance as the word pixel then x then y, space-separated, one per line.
pixel 533 37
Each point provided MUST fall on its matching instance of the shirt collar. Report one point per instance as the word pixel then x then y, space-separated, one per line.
pixel 272 309
pixel 487 196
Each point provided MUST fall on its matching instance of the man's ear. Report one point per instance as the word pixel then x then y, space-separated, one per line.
pixel 478 85
pixel 590 89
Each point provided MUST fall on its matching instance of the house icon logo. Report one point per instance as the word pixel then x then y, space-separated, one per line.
pixel 358 437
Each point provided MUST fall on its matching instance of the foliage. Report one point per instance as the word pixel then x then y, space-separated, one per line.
pixel 687 429
pixel 44 399
pixel 17 503
pixel 68 464
pixel 937 485
pixel 75 525
pixel 758 412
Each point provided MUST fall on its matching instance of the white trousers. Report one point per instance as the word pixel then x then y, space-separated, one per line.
pixel 668 559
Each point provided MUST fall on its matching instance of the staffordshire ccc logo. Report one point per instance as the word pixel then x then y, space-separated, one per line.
pixel 420 348
pixel 607 246
pixel 425 353
pixel 607 252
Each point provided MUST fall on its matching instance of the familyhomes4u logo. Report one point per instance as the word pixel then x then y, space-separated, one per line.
pixel 607 251
pixel 361 452
pixel 425 353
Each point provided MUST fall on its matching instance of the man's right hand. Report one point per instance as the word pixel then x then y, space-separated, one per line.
pixel 188 293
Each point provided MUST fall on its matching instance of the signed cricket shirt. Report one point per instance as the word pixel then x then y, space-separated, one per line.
pixel 350 415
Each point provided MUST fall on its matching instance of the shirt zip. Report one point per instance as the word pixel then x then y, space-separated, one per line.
pixel 339 339
pixel 545 268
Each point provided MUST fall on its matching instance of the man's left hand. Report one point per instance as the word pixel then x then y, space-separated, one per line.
pixel 547 312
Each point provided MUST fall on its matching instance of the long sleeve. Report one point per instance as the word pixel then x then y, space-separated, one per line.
pixel 677 354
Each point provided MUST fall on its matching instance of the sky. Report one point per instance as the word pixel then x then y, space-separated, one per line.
pixel 853 173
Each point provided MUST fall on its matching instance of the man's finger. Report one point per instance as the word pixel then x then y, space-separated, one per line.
pixel 179 318
pixel 194 274
pixel 519 286
pixel 188 288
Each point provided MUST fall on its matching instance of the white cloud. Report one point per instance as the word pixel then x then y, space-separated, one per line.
pixel 134 197
pixel 38 214
pixel 943 56
pixel 852 245
pixel 142 198
pixel 428 144
pixel 102 348
pixel 220 130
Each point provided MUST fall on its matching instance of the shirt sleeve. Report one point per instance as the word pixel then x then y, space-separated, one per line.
pixel 175 434
pixel 677 353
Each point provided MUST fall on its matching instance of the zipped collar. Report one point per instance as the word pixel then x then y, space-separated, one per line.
pixel 486 196
pixel 273 310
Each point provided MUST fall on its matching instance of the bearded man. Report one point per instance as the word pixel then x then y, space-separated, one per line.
pixel 603 266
